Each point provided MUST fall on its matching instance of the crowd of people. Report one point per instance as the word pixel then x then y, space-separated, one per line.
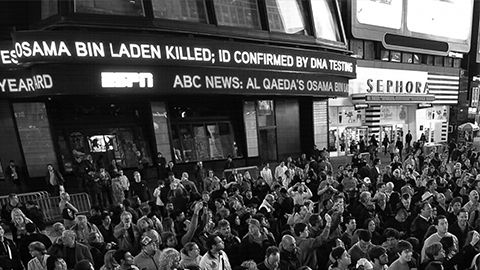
pixel 418 212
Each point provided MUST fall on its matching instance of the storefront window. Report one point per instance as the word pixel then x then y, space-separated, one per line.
pixel 160 128
pixel 250 119
pixel 266 115
pixel 199 142
pixel 49 8
pixel 110 7
pixel 34 131
pixel 286 16
pixel 180 10
pixel 240 13
pixel 326 19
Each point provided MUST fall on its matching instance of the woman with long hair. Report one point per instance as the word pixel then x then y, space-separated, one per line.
pixel 109 262
pixel 19 221
pixel 56 263
pixel 68 210
pixel 169 259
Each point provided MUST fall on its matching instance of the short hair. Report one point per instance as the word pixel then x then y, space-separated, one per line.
pixel 438 218
pixel 271 250
pixel 51 260
pixel 299 227
pixel 434 265
pixel 83 265
pixel 188 247
pixel 211 241
pixel 462 210
pixel 104 215
pixel 404 245
pixel 223 223
pixel 120 255
pixel 348 219
pixel 376 251
pixel 125 213
pixel 364 235
pixel 37 246
pixel 391 232
pixel 314 219
pixel 69 233
pixel 432 250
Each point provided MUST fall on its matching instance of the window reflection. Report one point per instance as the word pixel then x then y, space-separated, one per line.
pixel 49 8
pixel 326 20
pixel 181 10
pixel 286 16
pixel 237 13
pixel 110 7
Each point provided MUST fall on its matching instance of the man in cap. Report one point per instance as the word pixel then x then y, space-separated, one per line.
pixel 149 256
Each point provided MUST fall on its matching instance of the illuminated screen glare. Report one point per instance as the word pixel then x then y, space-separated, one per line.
pixel 382 13
pixel 444 18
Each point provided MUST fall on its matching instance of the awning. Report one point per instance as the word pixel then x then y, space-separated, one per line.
pixel 468 127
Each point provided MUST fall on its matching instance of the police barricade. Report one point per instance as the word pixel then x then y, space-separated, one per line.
pixel 25 197
pixel 51 209
pixel 253 170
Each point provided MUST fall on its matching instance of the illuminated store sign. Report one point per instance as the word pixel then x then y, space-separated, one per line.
pixel 127 79
pixel 75 47
pixel 389 85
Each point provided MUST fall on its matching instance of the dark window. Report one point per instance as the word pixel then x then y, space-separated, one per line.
pixel 286 16
pixel 238 13
pixel 110 7
pixel 180 10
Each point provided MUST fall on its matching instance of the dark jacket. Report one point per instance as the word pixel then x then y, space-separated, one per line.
pixel 82 252
pixel 37 216
pixel 9 260
pixel 27 240
pixel 419 228
pixel 461 236
pixel 58 177
pixel 291 258
pixel 142 190
pixel 251 250
pixel 282 266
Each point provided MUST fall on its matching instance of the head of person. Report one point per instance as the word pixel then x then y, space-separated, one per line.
pixel 169 259
pixel 224 228
pixel 215 243
pixel 272 256
pixel 340 257
pixel 169 239
pixel 350 223
pixel 106 219
pixel 191 249
pixel 126 217
pixel 37 249
pixel 57 229
pixel 289 243
pixel 370 225
pixel 249 265
pixel 435 251
pixel 426 209
pixel 94 237
pixel 18 216
pixel 456 204
pixel 391 237
pixel 68 238
pixel 441 224
pixel 434 265
pixel 64 196
pixel 254 227
pixel 364 238
pixel 378 255
pixel 145 223
pixel 84 265
pixel 137 176
pixel 462 217
pixel 148 245
pixel 81 221
pixel 301 229
pixel 109 260
pixel 404 250
pixel 56 263
pixel 124 258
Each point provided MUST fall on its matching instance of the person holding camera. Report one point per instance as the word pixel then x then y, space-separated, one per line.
pixel 299 193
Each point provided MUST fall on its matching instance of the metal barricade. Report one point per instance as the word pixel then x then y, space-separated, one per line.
pixel 51 209
pixel 24 197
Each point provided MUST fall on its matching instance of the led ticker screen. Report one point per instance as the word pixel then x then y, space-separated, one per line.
pixel 446 22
